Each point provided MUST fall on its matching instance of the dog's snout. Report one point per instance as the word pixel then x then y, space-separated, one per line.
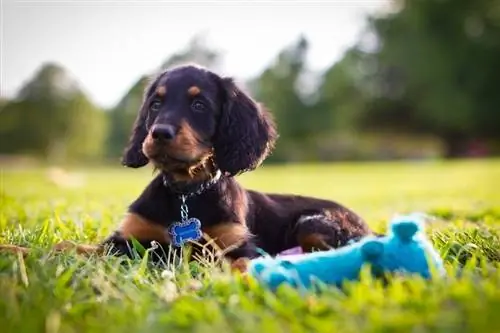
pixel 165 132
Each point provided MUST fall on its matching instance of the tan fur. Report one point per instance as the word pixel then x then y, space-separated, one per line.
pixel 161 91
pixel 197 173
pixel 313 242
pixel 346 219
pixel 148 147
pixel 134 226
pixel 227 235
pixel 131 226
pixel 240 265
pixel 193 91
pixel 187 143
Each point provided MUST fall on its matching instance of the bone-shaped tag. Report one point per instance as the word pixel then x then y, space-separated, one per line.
pixel 182 232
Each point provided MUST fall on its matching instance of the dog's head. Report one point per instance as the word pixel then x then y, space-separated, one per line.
pixel 191 117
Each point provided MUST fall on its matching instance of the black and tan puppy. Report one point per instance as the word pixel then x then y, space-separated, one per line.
pixel 199 130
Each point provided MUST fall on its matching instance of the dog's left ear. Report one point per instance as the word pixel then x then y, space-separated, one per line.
pixel 246 132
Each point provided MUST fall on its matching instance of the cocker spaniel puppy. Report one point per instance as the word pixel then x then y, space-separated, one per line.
pixel 199 130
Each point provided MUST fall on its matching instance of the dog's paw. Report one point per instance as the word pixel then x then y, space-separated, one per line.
pixel 240 265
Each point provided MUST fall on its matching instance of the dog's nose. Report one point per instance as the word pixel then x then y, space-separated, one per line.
pixel 165 132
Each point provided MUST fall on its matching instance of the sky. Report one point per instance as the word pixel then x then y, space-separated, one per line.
pixel 106 45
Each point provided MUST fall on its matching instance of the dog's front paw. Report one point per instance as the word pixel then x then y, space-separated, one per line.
pixel 240 265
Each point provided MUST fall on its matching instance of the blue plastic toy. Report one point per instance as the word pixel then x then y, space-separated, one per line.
pixel 405 249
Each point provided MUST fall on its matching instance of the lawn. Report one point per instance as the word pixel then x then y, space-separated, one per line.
pixel 65 293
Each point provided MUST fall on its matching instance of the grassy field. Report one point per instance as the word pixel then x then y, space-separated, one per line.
pixel 65 293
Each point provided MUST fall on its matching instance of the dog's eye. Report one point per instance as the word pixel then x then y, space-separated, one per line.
pixel 198 106
pixel 155 106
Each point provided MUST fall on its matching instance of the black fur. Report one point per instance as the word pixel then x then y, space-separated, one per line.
pixel 239 134
pixel 133 156
pixel 246 132
pixel 276 221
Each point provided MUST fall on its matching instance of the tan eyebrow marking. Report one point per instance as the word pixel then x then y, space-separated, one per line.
pixel 194 90
pixel 161 91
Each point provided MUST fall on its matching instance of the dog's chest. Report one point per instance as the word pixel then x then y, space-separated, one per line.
pixel 190 216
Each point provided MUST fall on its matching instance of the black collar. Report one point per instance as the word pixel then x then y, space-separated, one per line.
pixel 190 189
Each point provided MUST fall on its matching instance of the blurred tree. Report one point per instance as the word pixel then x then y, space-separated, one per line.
pixel 439 70
pixel 122 116
pixel 343 96
pixel 281 89
pixel 87 129
pixel 344 93
pixel 3 103
pixel 51 117
pixel 197 51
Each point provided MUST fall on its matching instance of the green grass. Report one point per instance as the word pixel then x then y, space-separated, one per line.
pixel 65 293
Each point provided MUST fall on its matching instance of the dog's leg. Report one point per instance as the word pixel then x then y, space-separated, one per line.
pixel 235 242
pixel 132 226
pixel 325 231
pixel 148 234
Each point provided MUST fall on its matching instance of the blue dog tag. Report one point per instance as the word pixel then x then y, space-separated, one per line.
pixel 182 232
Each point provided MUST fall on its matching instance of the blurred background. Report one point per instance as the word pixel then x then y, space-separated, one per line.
pixel 345 80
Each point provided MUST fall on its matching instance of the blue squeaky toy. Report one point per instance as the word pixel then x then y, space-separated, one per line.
pixel 405 249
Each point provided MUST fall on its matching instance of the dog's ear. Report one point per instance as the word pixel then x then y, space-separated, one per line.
pixel 133 157
pixel 246 132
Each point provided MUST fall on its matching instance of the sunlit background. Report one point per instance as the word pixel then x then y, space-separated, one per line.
pixel 345 80
pixel 386 107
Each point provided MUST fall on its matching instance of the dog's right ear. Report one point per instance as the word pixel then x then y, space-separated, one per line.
pixel 133 156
